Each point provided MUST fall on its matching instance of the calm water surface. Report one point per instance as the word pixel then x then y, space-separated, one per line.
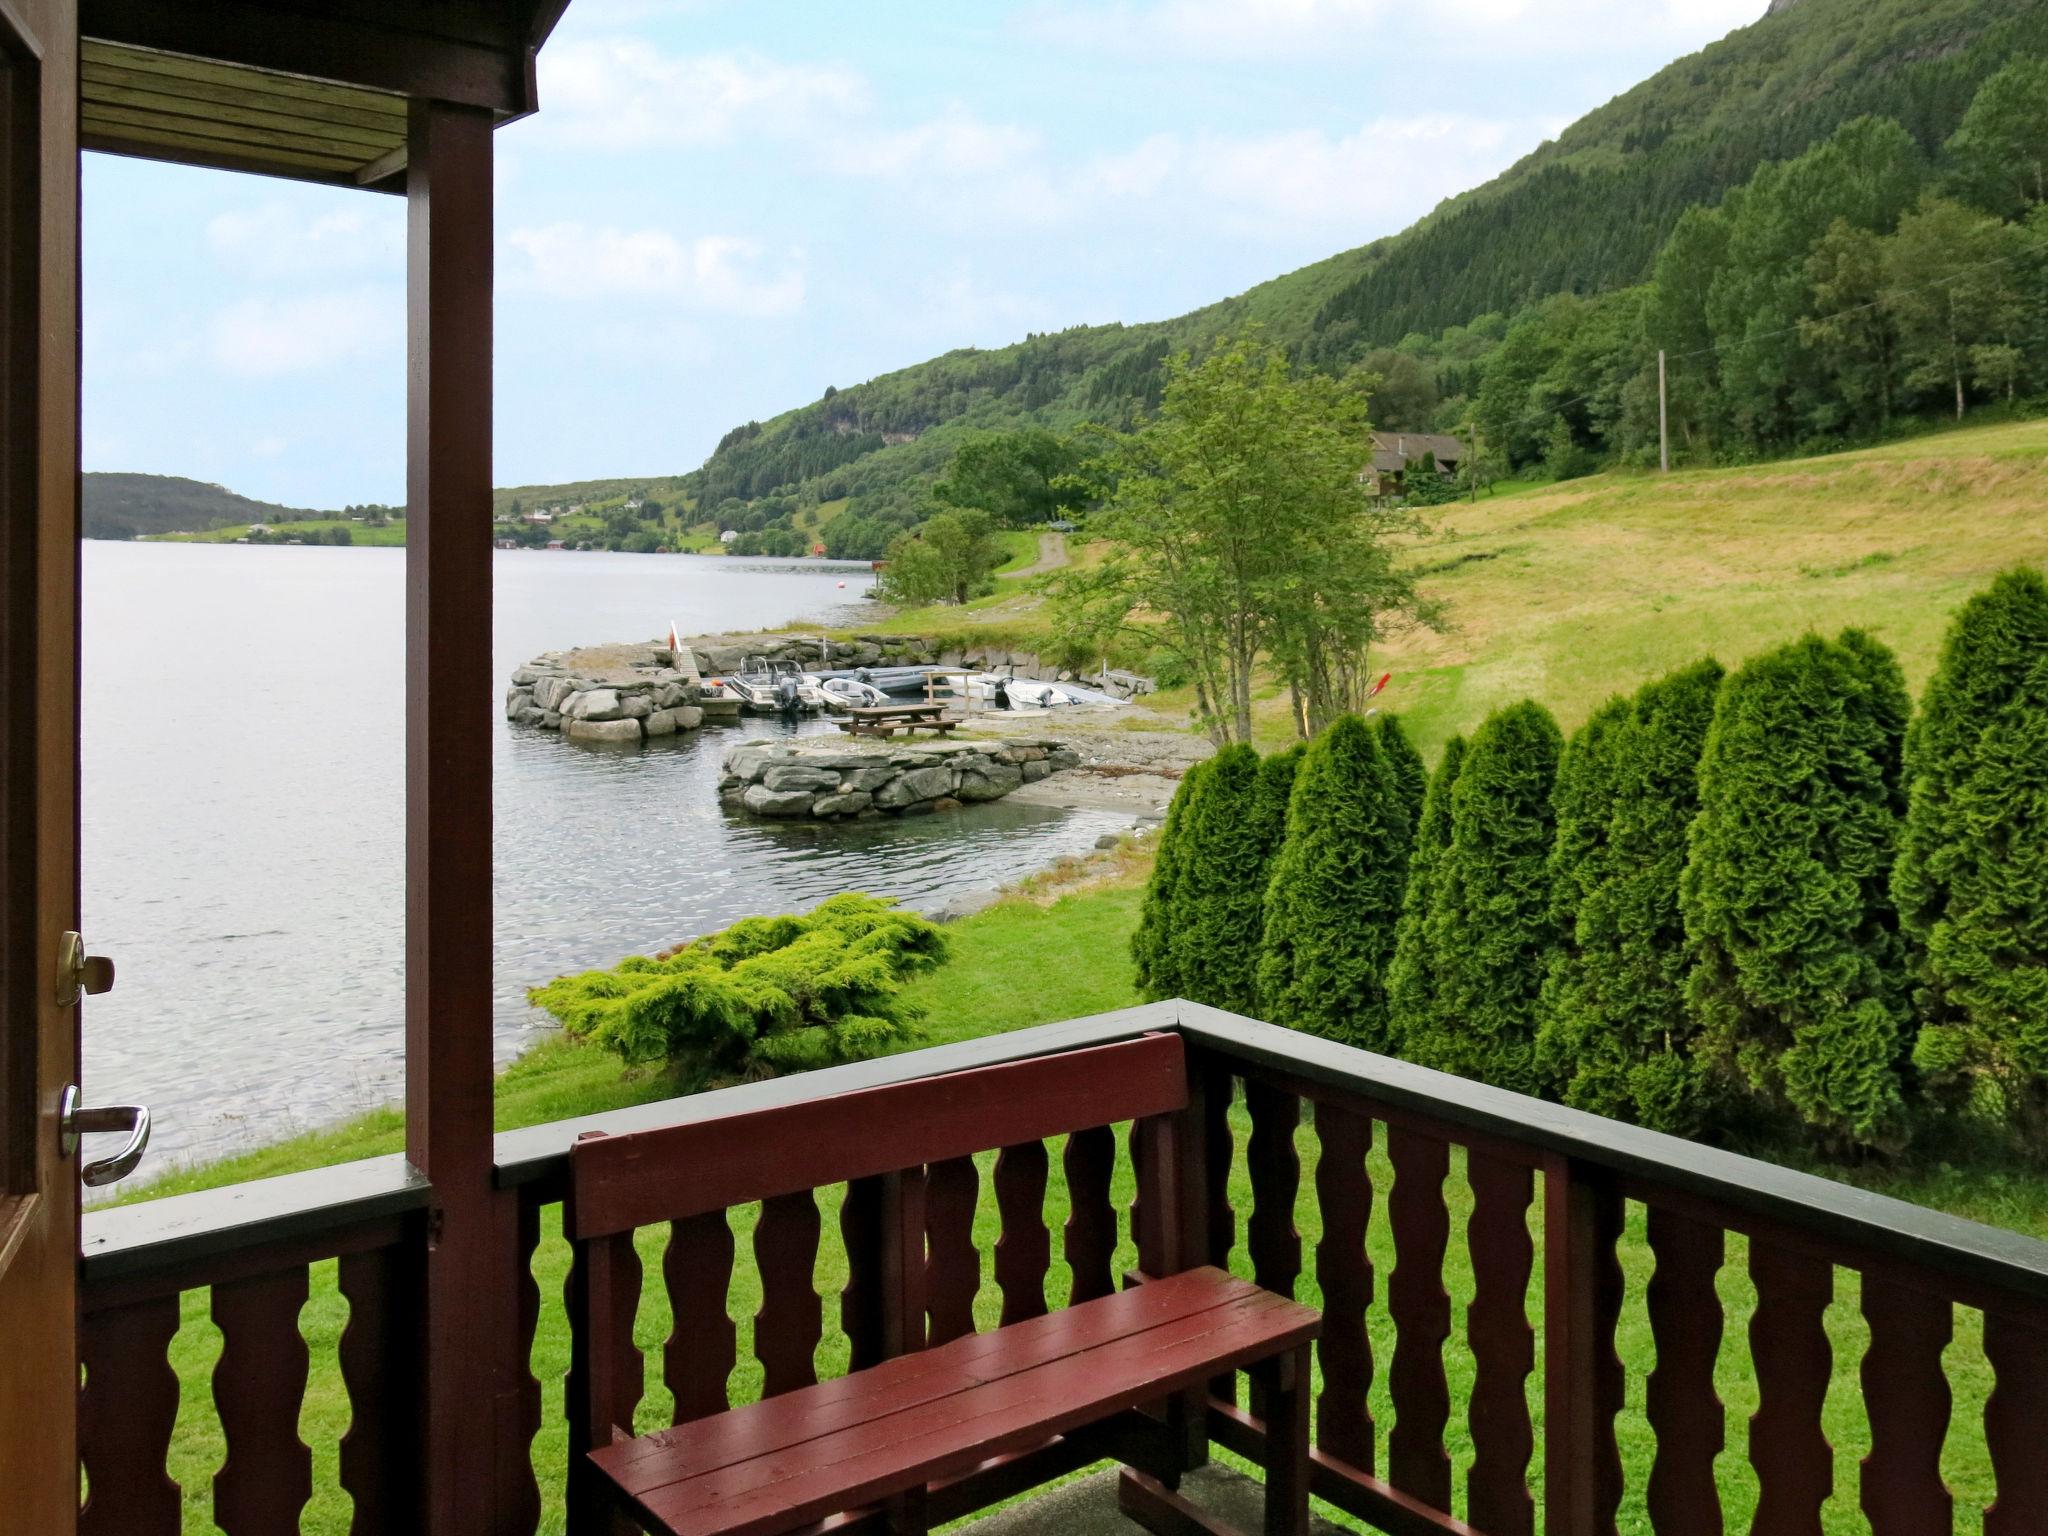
pixel 244 817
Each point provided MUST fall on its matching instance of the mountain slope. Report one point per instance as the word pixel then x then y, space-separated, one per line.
pixel 1586 213
pixel 128 506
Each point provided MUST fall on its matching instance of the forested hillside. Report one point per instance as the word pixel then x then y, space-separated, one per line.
pixel 1563 248
pixel 125 506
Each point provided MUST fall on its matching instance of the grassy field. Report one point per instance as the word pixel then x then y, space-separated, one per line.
pixel 1568 593
pixel 1056 949
pixel 390 536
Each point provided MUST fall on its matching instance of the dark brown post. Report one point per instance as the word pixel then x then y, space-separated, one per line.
pixel 448 725
pixel 1582 1378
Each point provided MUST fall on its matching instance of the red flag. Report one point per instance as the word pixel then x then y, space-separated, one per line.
pixel 1385 678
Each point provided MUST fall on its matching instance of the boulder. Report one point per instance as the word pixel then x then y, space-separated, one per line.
pixel 527 676
pixel 661 723
pixel 915 785
pixel 688 718
pixel 551 720
pixel 794 776
pixel 989 781
pixel 868 778
pixel 549 692
pixel 763 801
pixel 593 704
pixel 841 805
pixel 747 762
pixel 1064 757
pixel 669 695
pixel 1033 772
pixel 636 706
pixel 601 730
pixel 526 714
pixel 516 701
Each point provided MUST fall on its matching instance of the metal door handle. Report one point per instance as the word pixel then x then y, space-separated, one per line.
pixel 74 1122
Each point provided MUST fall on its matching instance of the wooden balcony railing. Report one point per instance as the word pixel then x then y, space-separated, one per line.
pixel 1544 1220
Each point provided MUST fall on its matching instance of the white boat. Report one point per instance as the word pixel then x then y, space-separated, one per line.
pixel 849 693
pixel 1030 693
pixel 775 688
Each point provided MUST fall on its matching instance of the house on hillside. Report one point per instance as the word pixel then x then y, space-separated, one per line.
pixel 1394 454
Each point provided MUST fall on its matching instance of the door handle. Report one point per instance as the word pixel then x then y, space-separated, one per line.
pixel 75 1121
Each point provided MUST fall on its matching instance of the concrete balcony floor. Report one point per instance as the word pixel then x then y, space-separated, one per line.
pixel 1087 1507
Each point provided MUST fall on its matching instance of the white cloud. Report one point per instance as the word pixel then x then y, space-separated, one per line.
pixel 1350 187
pixel 623 92
pixel 1238 29
pixel 263 337
pixel 276 239
pixel 720 273
pixel 956 143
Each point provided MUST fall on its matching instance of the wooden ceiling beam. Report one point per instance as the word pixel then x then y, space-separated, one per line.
pixel 425 49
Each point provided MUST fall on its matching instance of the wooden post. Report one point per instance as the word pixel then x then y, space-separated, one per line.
pixel 448 733
pixel 1582 1378
pixel 1663 417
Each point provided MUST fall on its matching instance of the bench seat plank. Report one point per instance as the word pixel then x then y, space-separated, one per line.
pixel 773 1466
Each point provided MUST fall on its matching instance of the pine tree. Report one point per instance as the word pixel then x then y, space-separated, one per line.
pixel 1615 1029
pixel 1796 985
pixel 1411 978
pixel 1411 774
pixel 1152 943
pixel 1336 890
pixel 1219 913
pixel 1489 929
pixel 1583 801
pixel 1973 856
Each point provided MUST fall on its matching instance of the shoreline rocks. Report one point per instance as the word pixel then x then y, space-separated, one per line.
pixel 616 694
pixel 837 780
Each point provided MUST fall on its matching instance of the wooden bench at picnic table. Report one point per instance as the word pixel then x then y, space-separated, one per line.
pixel 935 1420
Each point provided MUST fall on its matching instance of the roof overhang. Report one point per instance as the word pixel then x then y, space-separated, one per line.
pixel 313 92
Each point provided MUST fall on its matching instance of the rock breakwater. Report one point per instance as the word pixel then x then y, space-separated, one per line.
pixel 837 779
pixel 608 693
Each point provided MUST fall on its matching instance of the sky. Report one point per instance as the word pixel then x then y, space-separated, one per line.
pixel 723 208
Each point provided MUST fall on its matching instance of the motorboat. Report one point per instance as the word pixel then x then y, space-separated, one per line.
pixel 850 693
pixel 775 688
pixel 1030 693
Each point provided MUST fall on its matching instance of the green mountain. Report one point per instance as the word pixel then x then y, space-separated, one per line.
pixel 126 506
pixel 1586 214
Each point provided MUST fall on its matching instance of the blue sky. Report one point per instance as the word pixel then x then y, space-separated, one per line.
pixel 723 208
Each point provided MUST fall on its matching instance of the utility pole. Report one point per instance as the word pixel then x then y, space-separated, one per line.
pixel 1663 417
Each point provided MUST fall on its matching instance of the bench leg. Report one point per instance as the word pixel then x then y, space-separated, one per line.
pixel 904 1515
pixel 1287 1392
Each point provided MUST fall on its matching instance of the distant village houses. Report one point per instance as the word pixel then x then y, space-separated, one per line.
pixel 1396 454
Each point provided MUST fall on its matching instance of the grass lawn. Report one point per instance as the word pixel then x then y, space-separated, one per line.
pixel 1569 593
pixel 1056 950
pixel 390 536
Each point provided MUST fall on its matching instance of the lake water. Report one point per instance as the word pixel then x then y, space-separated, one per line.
pixel 244 817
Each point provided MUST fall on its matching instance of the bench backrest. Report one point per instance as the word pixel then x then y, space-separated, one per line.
pixel 905 1152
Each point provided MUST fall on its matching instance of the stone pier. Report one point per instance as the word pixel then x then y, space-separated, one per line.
pixel 828 779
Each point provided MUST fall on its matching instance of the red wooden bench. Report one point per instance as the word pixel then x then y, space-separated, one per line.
pixel 935 1420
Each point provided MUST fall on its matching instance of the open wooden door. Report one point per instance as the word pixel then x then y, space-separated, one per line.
pixel 39 565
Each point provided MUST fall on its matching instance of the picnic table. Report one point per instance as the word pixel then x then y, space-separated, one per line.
pixel 887 719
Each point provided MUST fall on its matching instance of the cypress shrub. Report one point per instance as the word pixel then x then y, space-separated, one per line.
pixel 1336 890
pixel 1411 775
pixel 1971 881
pixel 1219 913
pixel 1151 944
pixel 1411 979
pixel 1616 1033
pixel 1797 978
pixel 1489 930
pixel 1567 1022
